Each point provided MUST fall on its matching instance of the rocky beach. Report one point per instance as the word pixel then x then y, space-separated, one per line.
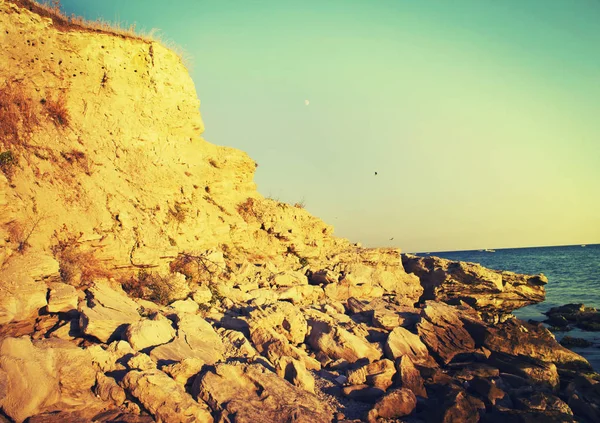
pixel 143 277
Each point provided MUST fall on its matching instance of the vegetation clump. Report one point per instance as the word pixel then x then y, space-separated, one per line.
pixel 78 266
pixel 8 161
pixel 58 112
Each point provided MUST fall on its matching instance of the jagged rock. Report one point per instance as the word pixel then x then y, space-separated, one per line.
pixel 253 394
pixel 62 298
pixel 294 371
pixel 363 393
pixel 289 278
pixel 409 377
pixel 337 343
pixel 443 332
pixel 401 342
pixel 195 338
pixel 457 407
pixel 394 404
pixel 108 390
pixel 283 318
pixel 488 291
pixel 300 294
pixel 164 398
pixel 542 401
pixel 111 358
pixel 107 313
pixel 378 374
pixel 586 318
pixel 236 344
pixel 182 372
pixel 488 390
pixel 345 289
pixel 149 332
pixel 141 361
pixel 39 376
pixel 202 295
pixel 536 372
pixel 517 338
pixel 185 306
pixel 275 346
pixel 22 294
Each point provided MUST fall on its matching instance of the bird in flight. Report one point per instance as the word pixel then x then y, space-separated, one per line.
pixel 392 238
pixel 375 173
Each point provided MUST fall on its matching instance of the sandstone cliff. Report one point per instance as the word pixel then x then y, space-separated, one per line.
pixel 143 278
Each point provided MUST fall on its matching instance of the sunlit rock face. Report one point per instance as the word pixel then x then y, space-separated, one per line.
pixel 144 279
pixel 490 292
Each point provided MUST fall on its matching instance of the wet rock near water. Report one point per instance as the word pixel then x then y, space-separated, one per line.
pixel 574 315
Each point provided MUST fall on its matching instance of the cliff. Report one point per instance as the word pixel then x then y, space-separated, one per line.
pixel 143 277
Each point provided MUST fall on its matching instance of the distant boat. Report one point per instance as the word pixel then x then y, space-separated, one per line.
pixel 489 251
pixel 583 245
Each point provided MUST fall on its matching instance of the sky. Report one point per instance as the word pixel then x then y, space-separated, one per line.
pixel 481 118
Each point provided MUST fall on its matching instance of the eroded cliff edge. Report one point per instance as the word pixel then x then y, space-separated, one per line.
pixel 235 306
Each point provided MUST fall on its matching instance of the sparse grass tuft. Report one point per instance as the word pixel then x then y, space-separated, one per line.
pixel 58 111
pixel 246 209
pixel 18 117
pixel 8 161
pixel 152 286
pixel 77 266
pixel 178 212
pixel 300 205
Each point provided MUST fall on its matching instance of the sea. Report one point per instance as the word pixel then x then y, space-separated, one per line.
pixel 573 273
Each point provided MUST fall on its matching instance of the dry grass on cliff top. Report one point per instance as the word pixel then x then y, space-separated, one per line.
pixel 52 9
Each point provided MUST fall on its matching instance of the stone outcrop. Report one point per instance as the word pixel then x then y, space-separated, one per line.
pixel 491 292
pixel 165 398
pixel 166 288
pixel 107 312
pixel 39 376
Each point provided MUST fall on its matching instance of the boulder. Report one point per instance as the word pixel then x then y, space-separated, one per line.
pixel 394 404
pixel 249 393
pixel 442 330
pixel 378 374
pixel 108 390
pixel 107 313
pixel 401 342
pixel 363 393
pixel 283 318
pixel 184 306
pixel 338 343
pixel 62 298
pixel 195 338
pixel 39 376
pixel 22 290
pixel 295 372
pixel 145 333
pixel 409 377
pixel 183 371
pixel 518 338
pixel 164 398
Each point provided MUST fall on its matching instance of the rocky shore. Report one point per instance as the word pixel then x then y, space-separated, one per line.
pixel 144 279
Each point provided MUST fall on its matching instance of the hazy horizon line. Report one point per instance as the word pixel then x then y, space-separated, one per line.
pixel 502 248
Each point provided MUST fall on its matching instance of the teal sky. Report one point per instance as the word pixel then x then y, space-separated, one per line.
pixel 482 118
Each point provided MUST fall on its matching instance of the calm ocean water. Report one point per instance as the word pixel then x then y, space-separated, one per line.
pixel 573 277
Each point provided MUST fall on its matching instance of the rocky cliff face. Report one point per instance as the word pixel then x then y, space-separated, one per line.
pixel 143 278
